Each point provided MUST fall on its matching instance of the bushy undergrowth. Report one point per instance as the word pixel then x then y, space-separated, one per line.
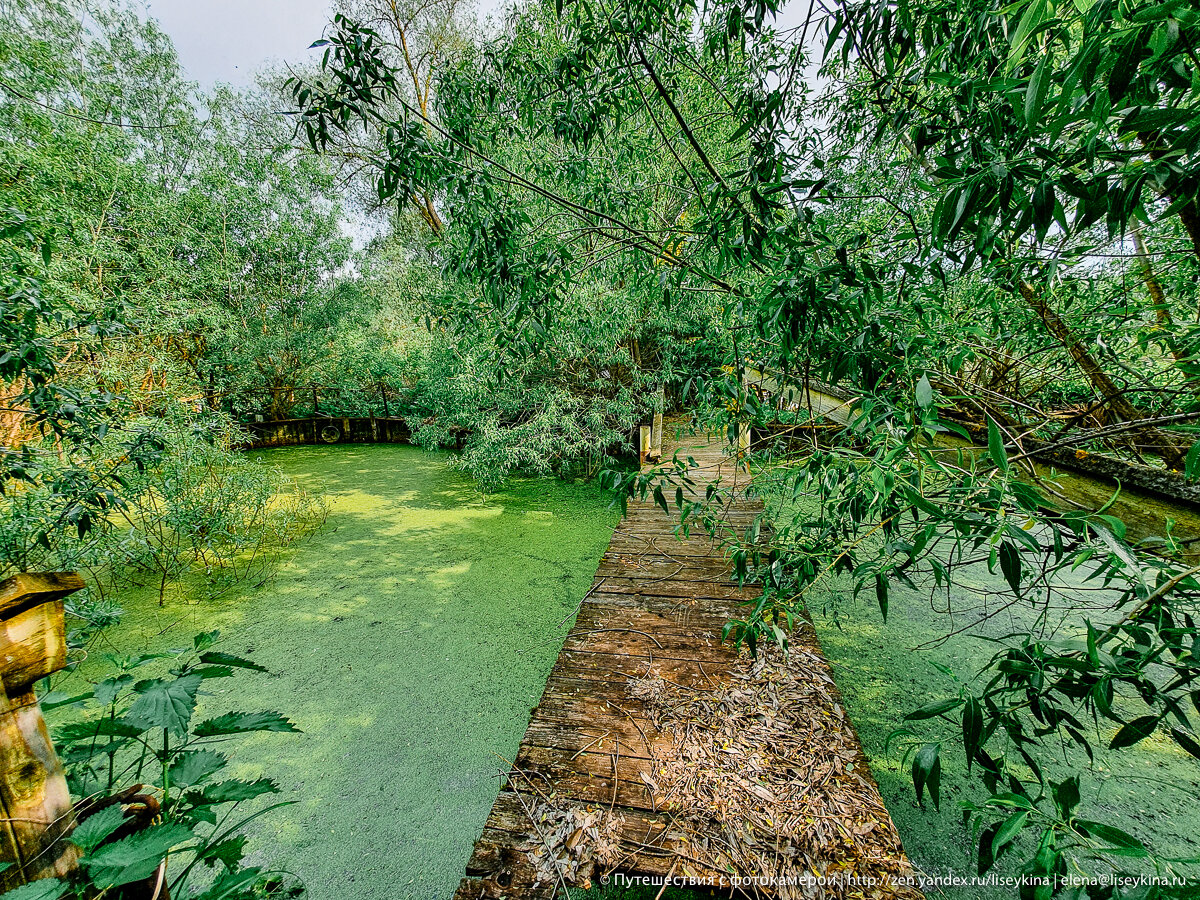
pixel 202 516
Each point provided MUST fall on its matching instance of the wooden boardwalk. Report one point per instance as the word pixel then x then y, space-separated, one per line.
pixel 591 746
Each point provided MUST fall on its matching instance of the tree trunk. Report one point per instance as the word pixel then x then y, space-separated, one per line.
pixel 1153 439
pixel 1158 297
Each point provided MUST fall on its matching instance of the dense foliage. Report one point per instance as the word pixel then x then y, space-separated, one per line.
pixel 981 225
pixel 976 225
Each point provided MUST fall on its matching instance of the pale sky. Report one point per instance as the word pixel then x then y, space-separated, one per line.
pixel 231 40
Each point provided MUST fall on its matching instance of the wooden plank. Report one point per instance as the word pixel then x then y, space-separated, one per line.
pixel 656 610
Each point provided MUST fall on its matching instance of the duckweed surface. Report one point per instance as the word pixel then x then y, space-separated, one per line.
pixel 886 669
pixel 409 640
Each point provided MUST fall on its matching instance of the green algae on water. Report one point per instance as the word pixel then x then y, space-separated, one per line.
pixel 408 640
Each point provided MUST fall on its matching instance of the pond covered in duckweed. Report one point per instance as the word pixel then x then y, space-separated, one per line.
pixel 408 640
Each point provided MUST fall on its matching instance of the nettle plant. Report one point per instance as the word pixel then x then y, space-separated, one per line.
pixel 151 785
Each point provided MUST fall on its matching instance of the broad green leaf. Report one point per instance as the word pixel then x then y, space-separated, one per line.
pixel 77 732
pixel 881 593
pixel 232 885
pixel 1066 795
pixel 106 691
pixel 136 857
pixel 1037 12
pixel 234 790
pixel 1191 462
pixel 195 766
pixel 229 851
pixel 92 831
pixel 1035 90
pixel 238 723
pixel 42 889
pixel 927 773
pixel 1006 832
pixel 1010 565
pixel 206 639
pixel 924 392
pixel 165 703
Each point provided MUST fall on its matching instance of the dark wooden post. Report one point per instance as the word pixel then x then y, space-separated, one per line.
pixel 34 800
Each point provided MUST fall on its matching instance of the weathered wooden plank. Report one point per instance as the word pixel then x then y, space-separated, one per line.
pixel 699 590
pixel 656 609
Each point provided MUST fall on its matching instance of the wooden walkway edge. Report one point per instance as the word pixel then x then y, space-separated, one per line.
pixel 585 769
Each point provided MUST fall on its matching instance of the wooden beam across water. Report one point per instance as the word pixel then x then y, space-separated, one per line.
pixel 592 751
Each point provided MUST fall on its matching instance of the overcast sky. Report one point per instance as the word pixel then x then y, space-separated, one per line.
pixel 231 40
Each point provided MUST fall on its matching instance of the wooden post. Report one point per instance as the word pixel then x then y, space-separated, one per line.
pixel 643 444
pixel 35 804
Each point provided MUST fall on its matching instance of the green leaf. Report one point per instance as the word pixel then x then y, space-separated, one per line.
pixel 1191 462
pixel 1035 14
pixel 165 703
pixel 106 691
pixel 42 889
pixel 1133 732
pixel 1114 836
pixel 79 732
pixel 205 639
pixel 924 393
pixel 1066 796
pixel 1010 829
pixel 232 885
pixel 236 791
pixel 1010 565
pixel 136 857
pixel 228 659
pixel 661 500
pixel 92 831
pixel 881 593
pixel 57 699
pixel 229 851
pixel 927 773
pixel 1186 741
pixel 996 446
pixel 972 725
pixel 1035 91
pixel 986 857
pixel 936 708
pixel 239 723
pixel 195 766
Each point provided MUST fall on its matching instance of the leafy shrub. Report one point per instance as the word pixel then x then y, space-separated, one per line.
pixel 150 781
pixel 200 508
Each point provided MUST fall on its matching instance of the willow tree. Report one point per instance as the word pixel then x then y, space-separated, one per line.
pixel 965 157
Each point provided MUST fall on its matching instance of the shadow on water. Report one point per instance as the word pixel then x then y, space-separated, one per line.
pixel 408 640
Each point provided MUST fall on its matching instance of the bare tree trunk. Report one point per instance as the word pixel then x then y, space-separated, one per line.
pixel 1154 440
pixel 1157 295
